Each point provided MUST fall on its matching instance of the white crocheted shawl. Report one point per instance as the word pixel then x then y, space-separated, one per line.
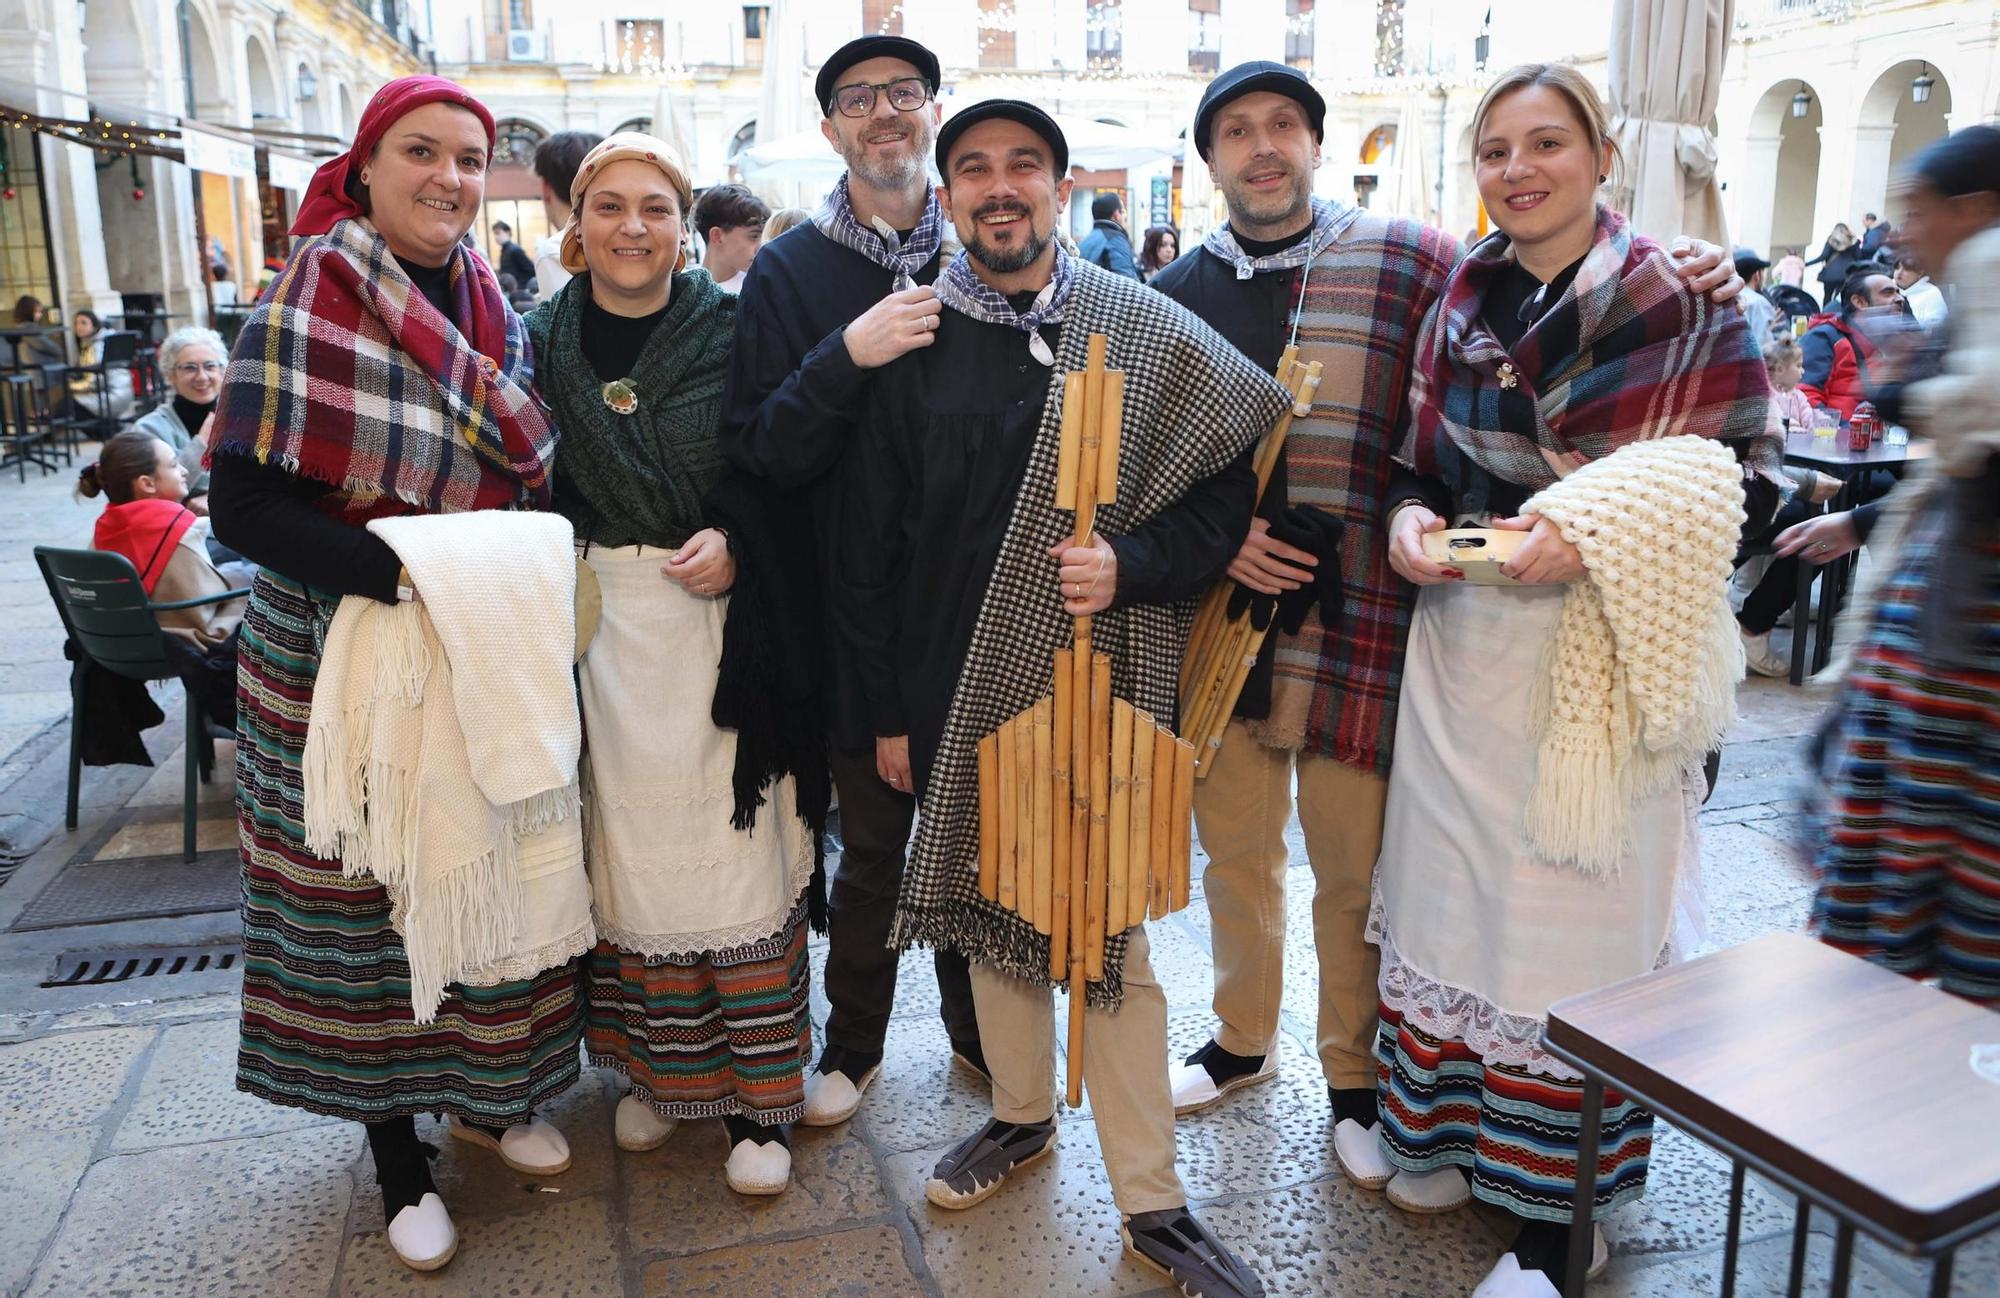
pixel 1642 672
pixel 441 755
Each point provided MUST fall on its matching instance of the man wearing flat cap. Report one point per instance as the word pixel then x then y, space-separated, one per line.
pixel 823 309
pixel 958 582
pixel 1350 289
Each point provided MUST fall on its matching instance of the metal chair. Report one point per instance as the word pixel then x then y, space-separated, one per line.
pixel 24 425
pixel 108 617
pixel 116 350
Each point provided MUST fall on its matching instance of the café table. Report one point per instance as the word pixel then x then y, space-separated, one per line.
pixel 1832 455
pixel 19 335
pixel 1871 1096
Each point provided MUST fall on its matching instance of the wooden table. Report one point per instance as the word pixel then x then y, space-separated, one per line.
pixel 1847 1084
pixel 1832 456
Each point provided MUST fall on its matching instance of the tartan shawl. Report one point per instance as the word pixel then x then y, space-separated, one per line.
pixel 347 375
pixel 1363 304
pixel 1627 354
pixel 1192 404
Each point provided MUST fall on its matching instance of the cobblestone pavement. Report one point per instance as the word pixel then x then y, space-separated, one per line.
pixel 133 1167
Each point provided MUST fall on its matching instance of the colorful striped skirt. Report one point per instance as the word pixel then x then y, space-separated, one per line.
pixel 1514 1131
pixel 327 1024
pixel 701 1036
pixel 1909 852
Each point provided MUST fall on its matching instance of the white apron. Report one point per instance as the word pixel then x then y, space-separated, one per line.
pixel 1478 936
pixel 670 876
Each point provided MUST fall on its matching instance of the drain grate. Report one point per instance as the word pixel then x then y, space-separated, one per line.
pixel 80 968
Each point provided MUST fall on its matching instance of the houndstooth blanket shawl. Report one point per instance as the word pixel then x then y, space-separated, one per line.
pixel 1192 404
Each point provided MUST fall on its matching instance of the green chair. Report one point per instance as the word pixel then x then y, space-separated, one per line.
pixel 108 617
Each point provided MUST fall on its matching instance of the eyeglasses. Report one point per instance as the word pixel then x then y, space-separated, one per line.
pixel 906 95
pixel 193 369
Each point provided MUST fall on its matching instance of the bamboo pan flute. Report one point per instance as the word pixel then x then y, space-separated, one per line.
pixel 1086 803
pixel 1221 649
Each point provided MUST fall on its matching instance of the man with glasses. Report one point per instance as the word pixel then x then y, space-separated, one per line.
pixel 822 309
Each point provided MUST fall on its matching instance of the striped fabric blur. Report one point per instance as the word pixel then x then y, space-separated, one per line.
pixel 1910 853
pixel 1514 1133
pixel 327 1024
pixel 725 1032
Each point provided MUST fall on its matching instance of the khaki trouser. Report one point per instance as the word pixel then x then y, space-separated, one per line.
pixel 1240 811
pixel 1124 1066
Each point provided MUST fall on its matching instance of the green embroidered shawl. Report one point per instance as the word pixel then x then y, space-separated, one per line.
pixel 637 479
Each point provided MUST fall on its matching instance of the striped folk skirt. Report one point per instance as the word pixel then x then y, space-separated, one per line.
pixel 1909 852
pixel 1511 1129
pixel 327 1024
pixel 702 1036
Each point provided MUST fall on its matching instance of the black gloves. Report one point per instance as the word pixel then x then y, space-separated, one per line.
pixel 1316 532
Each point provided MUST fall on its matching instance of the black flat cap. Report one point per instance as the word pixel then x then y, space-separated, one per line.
pixel 1249 78
pixel 863 48
pixel 1012 110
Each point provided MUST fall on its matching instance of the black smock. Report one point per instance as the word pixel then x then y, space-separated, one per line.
pixel 790 402
pixel 273 518
pixel 1255 316
pixel 940 455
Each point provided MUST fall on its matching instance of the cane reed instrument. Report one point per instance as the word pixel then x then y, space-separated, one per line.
pixel 1222 649
pixel 1086 803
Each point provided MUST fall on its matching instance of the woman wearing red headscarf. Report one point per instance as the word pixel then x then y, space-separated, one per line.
pixel 382 374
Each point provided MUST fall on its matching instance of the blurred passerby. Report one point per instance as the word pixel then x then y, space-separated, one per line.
pixel 730 220
pixel 1757 308
pixel 556 161
pixel 1874 234
pixel 1836 259
pixel 1925 299
pixel 784 219
pixel 1108 245
pixel 1837 352
pixel 1791 268
pixel 514 259
pixel 1162 245
pixel 1909 839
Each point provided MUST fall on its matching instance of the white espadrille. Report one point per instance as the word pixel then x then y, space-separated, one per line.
pixel 1358 1150
pixel 532 1148
pixel 1427 1193
pixel 422 1235
pixel 1508 1280
pixel 1194 1090
pixel 759 1167
pixel 638 1126
pixel 831 1098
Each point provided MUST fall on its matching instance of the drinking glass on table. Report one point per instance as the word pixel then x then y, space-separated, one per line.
pixel 1825 424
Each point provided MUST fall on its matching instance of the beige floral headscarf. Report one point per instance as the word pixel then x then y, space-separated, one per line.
pixel 617 148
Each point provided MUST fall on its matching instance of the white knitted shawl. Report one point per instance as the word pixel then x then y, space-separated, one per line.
pixel 441 755
pixel 1640 681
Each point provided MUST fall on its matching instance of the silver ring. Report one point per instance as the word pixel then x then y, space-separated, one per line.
pixel 932 322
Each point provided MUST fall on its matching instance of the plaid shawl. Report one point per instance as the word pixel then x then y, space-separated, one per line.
pixel 1363 302
pixel 836 220
pixel 1627 354
pixel 1192 404
pixel 345 374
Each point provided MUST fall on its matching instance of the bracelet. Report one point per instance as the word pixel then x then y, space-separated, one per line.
pixel 1390 522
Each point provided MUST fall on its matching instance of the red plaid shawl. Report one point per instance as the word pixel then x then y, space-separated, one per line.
pixel 1627 354
pixel 347 375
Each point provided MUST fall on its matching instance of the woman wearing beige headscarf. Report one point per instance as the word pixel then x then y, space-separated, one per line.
pixel 698 990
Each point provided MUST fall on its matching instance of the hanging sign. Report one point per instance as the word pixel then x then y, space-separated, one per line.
pixel 288 171
pixel 218 154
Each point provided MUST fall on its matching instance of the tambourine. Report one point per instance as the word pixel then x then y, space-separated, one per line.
pixel 1477 552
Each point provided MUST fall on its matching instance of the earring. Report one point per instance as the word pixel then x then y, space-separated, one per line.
pixel 1602 179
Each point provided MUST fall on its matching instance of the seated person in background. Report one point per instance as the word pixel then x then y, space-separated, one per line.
pixel 35 349
pixel 1786 364
pixel 191 360
pixel 1837 352
pixel 147 522
pixel 521 299
pixel 115 400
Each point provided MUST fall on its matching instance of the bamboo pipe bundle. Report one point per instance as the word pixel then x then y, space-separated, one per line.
pixel 1084 799
pixel 1221 649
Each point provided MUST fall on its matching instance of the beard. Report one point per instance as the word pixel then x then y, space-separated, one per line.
pixel 1005 261
pixel 1254 209
pixel 905 172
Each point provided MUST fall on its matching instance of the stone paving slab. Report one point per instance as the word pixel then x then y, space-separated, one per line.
pixel 37 1177
pixel 70 1080
pixel 188 1094
pixel 864 1263
pixel 248 1218
pixel 566 1250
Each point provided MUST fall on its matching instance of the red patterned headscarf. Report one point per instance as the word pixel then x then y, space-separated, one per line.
pixel 329 198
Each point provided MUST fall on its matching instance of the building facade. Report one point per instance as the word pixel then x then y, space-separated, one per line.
pixel 230 102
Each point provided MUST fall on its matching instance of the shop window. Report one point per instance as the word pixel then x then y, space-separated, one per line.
pixel 1104 33
pixel 1205 36
pixel 996 34
pixel 1299 34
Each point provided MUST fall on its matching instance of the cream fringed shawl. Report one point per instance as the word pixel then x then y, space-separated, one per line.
pixel 441 756
pixel 1640 680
